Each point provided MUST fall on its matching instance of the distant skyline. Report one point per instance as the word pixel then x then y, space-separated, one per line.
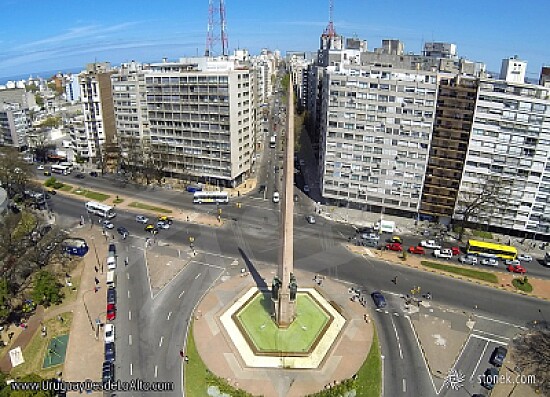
pixel 67 34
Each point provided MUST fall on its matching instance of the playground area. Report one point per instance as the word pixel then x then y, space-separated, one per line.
pixel 55 352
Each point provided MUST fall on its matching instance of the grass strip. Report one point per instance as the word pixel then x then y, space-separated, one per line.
pixel 143 206
pixel 522 285
pixel 462 271
pixel 369 376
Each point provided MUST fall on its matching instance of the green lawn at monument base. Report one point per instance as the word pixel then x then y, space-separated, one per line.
pixel 256 320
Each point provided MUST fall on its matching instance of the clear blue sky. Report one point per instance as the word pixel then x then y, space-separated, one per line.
pixel 50 35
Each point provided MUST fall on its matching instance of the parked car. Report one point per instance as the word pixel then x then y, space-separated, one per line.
pixel 455 251
pixel 489 262
pixel 261 190
pixel 193 188
pixel 430 244
pixel 109 333
pixel 516 269
pixel 108 372
pixel 47 173
pixel 94 174
pixel 394 247
pixel 370 236
pixel 40 167
pixel 306 188
pixel 363 230
pixel 498 356
pixel 366 243
pixel 80 176
pixel 142 219
pixel 111 311
pixel 396 239
pixel 525 258
pixel 122 231
pixel 490 377
pixel 302 163
pixel 468 259
pixel 110 352
pixel 276 197
pixel 111 296
pixel 107 224
pixel 417 250
pixel 111 263
pixel 310 219
pixel 512 262
pixel 443 253
pixel 112 248
pixel 53 192
pixel 378 299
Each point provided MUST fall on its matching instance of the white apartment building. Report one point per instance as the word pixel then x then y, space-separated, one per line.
pixel 201 118
pixel 377 114
pixel 510 140
pixel 14 125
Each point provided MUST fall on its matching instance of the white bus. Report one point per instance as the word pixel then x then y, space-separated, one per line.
pixel 61 169
pixel 67 164
pixel 210 198
pixel 272 141
pixel 105 211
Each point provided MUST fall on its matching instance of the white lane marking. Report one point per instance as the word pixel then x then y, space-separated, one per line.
pixel 156 371
pixel 160 342
pixel 397 338
pixel 488 333
pixel 404 385
pixel 488 339
pixel 130 340
pixel 180 295
pixel 422 354
pixel 479 360
pixel 130 315
pixel 197 276
pixel 498 321
pixel 131 369
pixel 128 294
pixel 128 276
pixel 169 315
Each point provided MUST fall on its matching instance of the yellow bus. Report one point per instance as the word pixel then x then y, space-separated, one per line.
pixel 491 249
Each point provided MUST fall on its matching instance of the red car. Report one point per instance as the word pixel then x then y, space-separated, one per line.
pixel 111 312
pixel 516 269
pixel 417 250
pixel 394 247
pixel 455 250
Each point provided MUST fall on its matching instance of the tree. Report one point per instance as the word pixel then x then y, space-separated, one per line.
pixel 46 289
pixel 39 100
pixel 15 172
pixel 5 300
pixel 51 122
pixel 481 201
pixel 531 353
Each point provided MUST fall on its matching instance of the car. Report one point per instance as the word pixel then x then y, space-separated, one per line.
pixel 107 224
pixel 443 253
pixel 163 225
pixel 165 219
pixel 111 263
pixel 378 299
pixel 40 167
pixel 276 197
pixel 261 190
pixel 306 188
pixel 80 176
pixel 14 208
pixel 366 243
pixel 396 239
pixel 370 236
pixel 94 174
pixel 513 262
pixel 489 378
pixel 489 262
pixel 110 352
pixel 430 244
pixel 417 250
pixel 193 188
pixel 363 230
pixel 302 163
pixel 498 356
pixel 142 219
pixel 394 247
pixel 53 192
pixel 108 372
pixel 525 258
pixel 47 173
pixel 111 311
pixel 468 259
pixel 109 333
pixel 111 295
pixel 455 251
pixel 516 269
pixel 310 219
pixel 151 229
pixel 276 168
pixel 112 248
pixel 122 231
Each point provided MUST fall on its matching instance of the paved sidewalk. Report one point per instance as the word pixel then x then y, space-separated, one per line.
pixel 84 351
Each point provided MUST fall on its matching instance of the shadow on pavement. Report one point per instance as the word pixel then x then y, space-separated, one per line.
pixel 258 280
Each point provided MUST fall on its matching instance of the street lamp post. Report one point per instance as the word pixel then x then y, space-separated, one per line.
pixel 87 311
pixel 99 264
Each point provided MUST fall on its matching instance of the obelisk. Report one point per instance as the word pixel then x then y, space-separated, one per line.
pixel 285 305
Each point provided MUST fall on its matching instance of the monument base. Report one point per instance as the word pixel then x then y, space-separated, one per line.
pixel 284 316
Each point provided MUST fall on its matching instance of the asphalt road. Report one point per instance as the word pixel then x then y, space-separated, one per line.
pixel 318 250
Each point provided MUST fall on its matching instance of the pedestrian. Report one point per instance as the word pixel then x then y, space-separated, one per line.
pixel 126 261
pixel 96 289
pixel 186 359
pixel 60 318
pixel 96 269
pixel 181 353
pixel 96 280
pixel 394 280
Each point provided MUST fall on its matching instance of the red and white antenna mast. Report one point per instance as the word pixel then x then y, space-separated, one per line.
pixel 329 30
pixel 216 34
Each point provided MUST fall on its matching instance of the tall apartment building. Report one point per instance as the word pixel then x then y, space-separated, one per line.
pixel 201 118
pixel 14 125
pixel 377 113
pixel 99 117
pixel 510 141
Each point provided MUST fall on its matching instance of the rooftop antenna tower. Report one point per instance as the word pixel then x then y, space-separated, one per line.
pixel 216 34
pixel 329 30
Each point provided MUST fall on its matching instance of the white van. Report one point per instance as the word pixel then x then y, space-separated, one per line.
pixel 276 197
pixel 111 262
pixel 111 279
